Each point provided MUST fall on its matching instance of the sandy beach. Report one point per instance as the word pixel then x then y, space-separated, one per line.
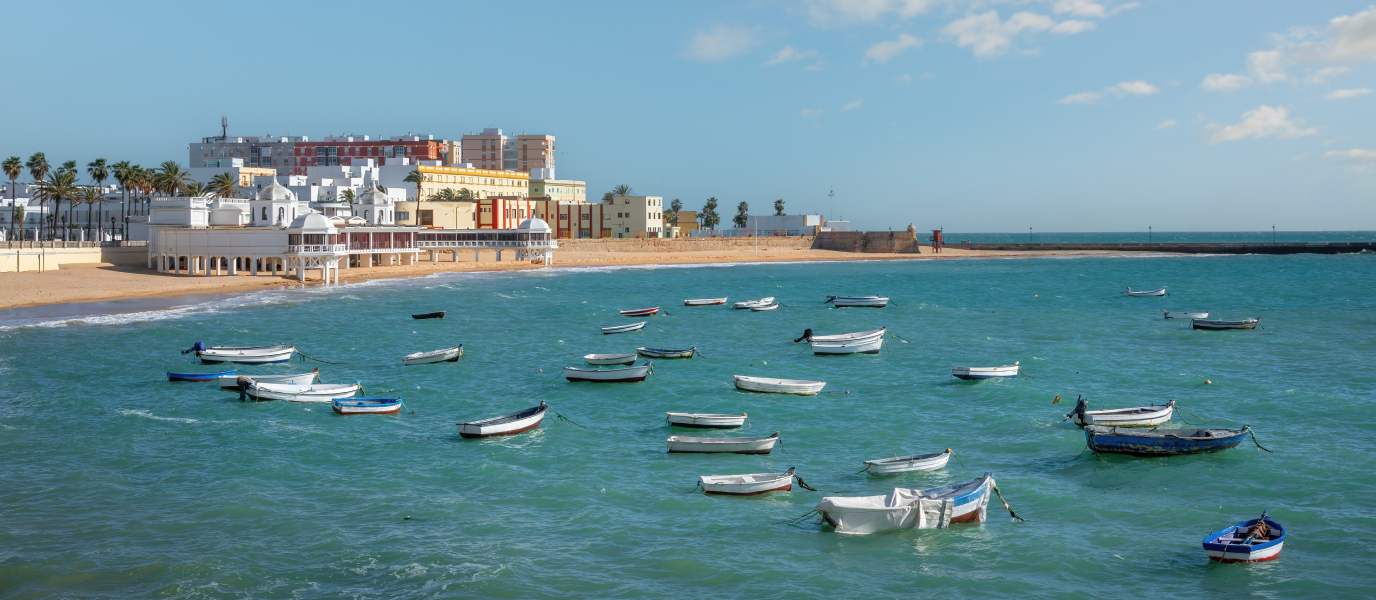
pixel 104 282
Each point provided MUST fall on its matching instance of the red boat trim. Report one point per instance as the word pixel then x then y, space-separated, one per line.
pixel 970 517
pixel 1242 560
pixel 373 412
pixel 788 486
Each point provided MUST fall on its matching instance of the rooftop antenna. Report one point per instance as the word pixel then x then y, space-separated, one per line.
pixel 224 128
pixel 832 194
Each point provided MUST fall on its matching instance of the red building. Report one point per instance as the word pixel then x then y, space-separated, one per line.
pixel 342 150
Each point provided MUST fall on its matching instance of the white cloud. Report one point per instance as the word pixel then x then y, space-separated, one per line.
pixel 815 67
pixel 1166 123
pixel 1354 155
pixel 1266 66
pixel 1136 88
pixel 904 78
pixel 1263 122
pixel 1352 38
pixel 1218 82
pixel 883 51
pixel 1081 98
pixel 811 112
pixel 1089 8
pixel 788 53
pixel 1345 94
pixel 852 105
pixel 827 12
pixel 986 35
pixel 719 43
pixel 1326 73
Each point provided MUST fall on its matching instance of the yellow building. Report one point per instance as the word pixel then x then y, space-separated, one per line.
pixel 438 214
pixel 481 183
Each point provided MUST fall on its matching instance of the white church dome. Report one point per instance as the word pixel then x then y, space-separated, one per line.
pixel 276 192
pixel 535 224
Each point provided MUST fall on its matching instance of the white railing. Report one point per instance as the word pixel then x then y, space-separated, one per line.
pixel 488 244
pixel 315 248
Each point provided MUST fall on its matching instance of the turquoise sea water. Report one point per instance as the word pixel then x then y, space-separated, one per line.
pixel 117 483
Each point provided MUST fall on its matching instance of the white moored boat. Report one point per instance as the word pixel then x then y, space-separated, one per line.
pixel 705 302
pixel 904 464
pixel 621 375
pixel 231 382
pixel 1219 324
pixel 624 328
pixel 742 445
pixel 610 359
pixel 753 303
pixel 1176 314
pixel 774 306
pixel 667 352
pixel 865 301
pixel 801 387
pixel 639 312
pixel 367 406
pixel 1141 416
pixel 705 420
pixel 849 337
pixel 434 356
pixel 1160 292
pixel 747 485
pixel 245 355
pixel 985 372
pixel 906 508
pixel 316 392
pixel 506 424
pixel 867 345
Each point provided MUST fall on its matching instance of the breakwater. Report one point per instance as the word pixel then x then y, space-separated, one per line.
pixel 1188 247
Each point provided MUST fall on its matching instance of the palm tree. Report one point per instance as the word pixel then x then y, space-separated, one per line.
pixel 742 215
pixel 13 167
pixel 779 207
pixel 608 198
pixel 674 207
pixel 623 190
pixel 68 167
pixel 90 196
pixel 38 168
pixel 120 170
pixel 196 188
pixel 709 214
pixel 171 179
pixel 348 196
pixel 61 184
pixel 225 185
pixel 444 195
pixel 416 177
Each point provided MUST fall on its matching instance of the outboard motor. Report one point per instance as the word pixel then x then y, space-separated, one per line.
pixel 807 335
pixel 1081 405
pixel 829 299
pixel 198 348
pixel 243 383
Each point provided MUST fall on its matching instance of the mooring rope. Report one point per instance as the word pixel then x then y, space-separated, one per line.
pixel 905 341
pixel 1254 439
pixel 803 483
pixel 564 418
pixel 1005 505
pixel 1202 419
pixel 953 455
pixel 304 356
pixel 658 327
pixel 695 351
pixel 798 518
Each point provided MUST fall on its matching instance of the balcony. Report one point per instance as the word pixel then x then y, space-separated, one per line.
pixel 315 249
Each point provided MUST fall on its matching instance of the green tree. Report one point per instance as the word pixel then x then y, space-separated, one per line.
pixel 742 215
pixel 416 177
pixel 674 207
pixel 171 179
pixel 779 207
pixel 348 196
pixel 38 169
pixel 59 185
pixel 709 214
pixel 196 188
pixel 68 167
pixel 13 167
pixel 90 196
pixel 609 197
pixel 444 195
pixel 120 171
pixel 623 190
pixel 465 194
pixel 225 185
pixel 98 171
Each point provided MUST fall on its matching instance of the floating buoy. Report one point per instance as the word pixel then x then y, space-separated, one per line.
pixel 542 370
pixel 1207 381
pixel 1035 296
pixel 406 518
pixel 1057 400
pixel 765 362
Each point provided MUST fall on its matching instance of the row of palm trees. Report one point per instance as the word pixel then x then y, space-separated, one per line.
pixel 56 185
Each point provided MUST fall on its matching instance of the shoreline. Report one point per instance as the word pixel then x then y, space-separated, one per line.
pixel 79 287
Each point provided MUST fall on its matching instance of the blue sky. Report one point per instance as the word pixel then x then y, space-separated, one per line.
pixel 975 115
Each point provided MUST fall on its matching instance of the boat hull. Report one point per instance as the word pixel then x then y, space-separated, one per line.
pixel 199 376
pixel 859 301
pixel 705 421
pixel 623 375
pixel 1150 416
pixel 643 312
pixel 970 373
pixel 435 356
pixel 489 428
pixel 705 302
pixel 433 315
pixel 909 508
pixel 610 359
pixel 1108 440
pixel 624 328
pixel 779 386
pixel 1215 325
pixel 863 346
pixel 1146 293
pixel 293 393
pixel 749 304
pixel 231 382
pixel 664 353
pixel 366 406
pixel 894 466
pixel 699 445
pixel 746 485
pixel 211 356
pixel 1223 546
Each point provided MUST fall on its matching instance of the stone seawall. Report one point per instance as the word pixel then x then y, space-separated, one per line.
pixel 877 242
pixel 682 244
pixel 1188 248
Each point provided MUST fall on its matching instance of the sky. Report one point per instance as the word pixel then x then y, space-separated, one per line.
pixel 972 115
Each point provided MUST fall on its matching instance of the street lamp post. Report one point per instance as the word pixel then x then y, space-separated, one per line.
pixel 1273 233
pixel 1029 235
pixel 1149 234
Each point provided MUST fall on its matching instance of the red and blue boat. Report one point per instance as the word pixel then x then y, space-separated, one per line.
pixel 1249 541
pixel 197 376
pixel 1162 442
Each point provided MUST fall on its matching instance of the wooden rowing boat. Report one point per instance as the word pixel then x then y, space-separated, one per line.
pixel 774 306
pixel 366 406
pixel 846 337
pixel 985 372
pixel 171 376
pixel 870 345
pixel 801 387
pixel 1245 542
pixel 704 420
pixel 741 445
pixel 705 302
pixel 610 359
pixel 666 353
pixel 748 304
pixel 906 508
pixel 858 301
pixel 245 355
pixel 624 328
pixel 430 315
pixel 1219 324
pixel 621 375
pixel 510 424
pixel 1140 416
pixel 316 392
pixel 434 356
pixel 1160 292
pixel 1177 314
pixel 747 485
pixel 231 382
pixel 904 464
pixel 1162 442
pixel 640 312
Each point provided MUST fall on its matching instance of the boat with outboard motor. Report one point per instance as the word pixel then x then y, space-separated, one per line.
pixel 1140 416
pixel 231 382
pixel 860 301
pixel 243 355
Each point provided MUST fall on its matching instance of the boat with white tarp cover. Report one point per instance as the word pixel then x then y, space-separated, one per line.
pixel 737 445
pixel 231 382
pixel 748 304
pixel 769 385
pixel 906 508
pixel 509 424
pixel 1138 416
pixel 705 420
pixel 905 464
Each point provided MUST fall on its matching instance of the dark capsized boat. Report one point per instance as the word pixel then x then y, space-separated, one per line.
pixel 431 315
pixel 197 376
pixel 1162 442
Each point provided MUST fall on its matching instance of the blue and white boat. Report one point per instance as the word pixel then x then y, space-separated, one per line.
pixel 1249 541
pixel 366 406
pixel 198 376
pixel 1162 442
